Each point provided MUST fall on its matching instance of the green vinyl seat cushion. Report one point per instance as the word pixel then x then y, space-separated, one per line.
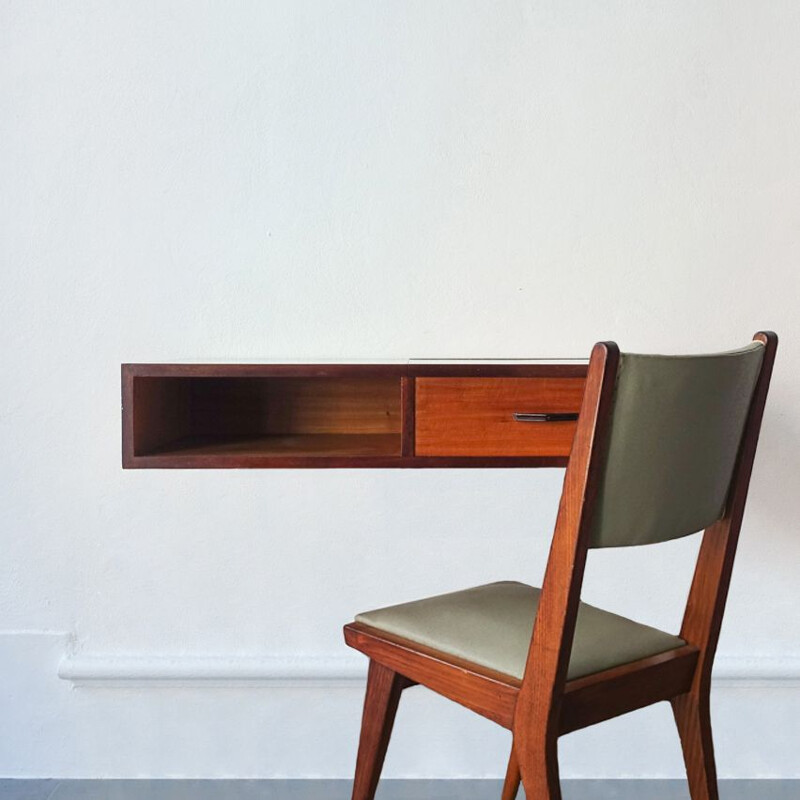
pixel 491 626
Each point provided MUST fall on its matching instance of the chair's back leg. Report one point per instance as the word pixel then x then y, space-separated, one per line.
pixel 512 781
pixel 693 718
pixel 380 706
pixel 538 762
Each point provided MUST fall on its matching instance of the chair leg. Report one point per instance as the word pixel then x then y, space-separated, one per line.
pixel 380 706
pixel 511 784
pixel 538 766
pixel 693 718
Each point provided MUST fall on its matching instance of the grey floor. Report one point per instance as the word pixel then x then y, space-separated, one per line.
pixel 388 790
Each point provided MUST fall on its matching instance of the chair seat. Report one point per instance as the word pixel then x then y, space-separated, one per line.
pixel 491 626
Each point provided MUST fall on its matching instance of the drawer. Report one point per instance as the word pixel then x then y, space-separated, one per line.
pixel 475 416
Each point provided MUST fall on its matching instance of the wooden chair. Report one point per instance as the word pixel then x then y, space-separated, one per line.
pixel 664 447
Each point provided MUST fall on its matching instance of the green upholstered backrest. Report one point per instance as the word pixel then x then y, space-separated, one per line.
pixel 676 426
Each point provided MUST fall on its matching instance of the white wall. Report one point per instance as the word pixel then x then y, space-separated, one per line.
pixel 333 180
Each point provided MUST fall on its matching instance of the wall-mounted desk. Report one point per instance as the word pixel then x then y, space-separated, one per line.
pixel 413 414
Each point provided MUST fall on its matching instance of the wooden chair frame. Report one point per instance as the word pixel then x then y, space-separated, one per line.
pixel 545 705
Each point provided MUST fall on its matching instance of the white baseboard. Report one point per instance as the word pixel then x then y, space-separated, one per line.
pixel 87 669
pixel 85 725
pixel 274 671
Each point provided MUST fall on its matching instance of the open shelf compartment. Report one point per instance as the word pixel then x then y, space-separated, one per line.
pixel 176 418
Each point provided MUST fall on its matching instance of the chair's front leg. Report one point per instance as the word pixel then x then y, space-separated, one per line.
pixel 380 706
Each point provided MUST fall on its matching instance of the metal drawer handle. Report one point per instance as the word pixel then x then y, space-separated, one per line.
pixel 545 417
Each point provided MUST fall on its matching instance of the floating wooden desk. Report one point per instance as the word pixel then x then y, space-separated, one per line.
pixel 414 414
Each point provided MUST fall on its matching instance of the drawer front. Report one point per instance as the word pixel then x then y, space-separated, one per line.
pixel 475 416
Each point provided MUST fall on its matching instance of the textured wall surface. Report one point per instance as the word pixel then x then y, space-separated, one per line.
pixel 376 180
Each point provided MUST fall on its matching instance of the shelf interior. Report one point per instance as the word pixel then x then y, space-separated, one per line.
pixel 309 445
pixel 271 416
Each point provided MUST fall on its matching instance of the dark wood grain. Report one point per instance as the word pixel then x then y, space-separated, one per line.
pixel 513 778
pixel 458 415
pixel 408 393
pixel 309 445
pixel 459 369
pixel 475 416
pixel 544 705
pixel 227 460
pixel 260 416
pixel 692 713
pixel 284 406
pixel 470 369
pixel 126 414
pixel 380 707
pixel 161 412
pixel 618 691
pixel 537 718
pixel 705 607
pixel 254 370
pixel 490 694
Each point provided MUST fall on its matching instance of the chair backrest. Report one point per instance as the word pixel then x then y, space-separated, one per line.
pixel 664 447
pixel 675 429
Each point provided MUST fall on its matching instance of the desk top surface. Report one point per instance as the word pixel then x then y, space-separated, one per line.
pixel 260 361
